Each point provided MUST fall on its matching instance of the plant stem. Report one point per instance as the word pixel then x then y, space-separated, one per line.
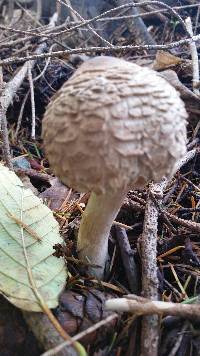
pixel 95 227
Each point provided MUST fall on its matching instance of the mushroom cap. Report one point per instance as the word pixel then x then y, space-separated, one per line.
pixel 114 125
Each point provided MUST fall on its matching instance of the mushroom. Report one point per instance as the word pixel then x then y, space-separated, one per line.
pixel 112 127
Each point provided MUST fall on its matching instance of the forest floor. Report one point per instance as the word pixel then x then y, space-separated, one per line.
pixel 178 245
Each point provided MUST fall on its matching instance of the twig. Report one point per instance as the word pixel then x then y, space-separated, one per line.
pixel 30 33
pixel 28 13
pixel 45 67
pixel 187 158
pixel 45 333
pixel 30 79
pixel 184 295
pixel 3 123
pixel 6 144
pixel 125 6
pixel 48 34
pixel 19 121
pixel 68 5
pixel 194 186
pixel 124 226
pixel 127 258
pixel 10 10
pixel 27 94
pixel 115 49
pixel 191 225
pixel 197 19
pixel 179 339
pixel 8 92
pixel 143 306
pixel 150 324
pixel 195 59
pixel 145 14
pixel 79 336
pixel 33 173
pixel 137 26
pixel 12 86
pixel 38 10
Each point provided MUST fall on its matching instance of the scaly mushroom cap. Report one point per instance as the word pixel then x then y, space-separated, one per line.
pixel 114 125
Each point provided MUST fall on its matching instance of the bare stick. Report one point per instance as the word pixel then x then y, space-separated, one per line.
pixel 179 339
pixel 127 258
pixel 6 145
pixel 68 5
pixel 13 85
pixel 126 6
pixel 7 93
pixel 148 307
pixel 99 18
pixel 3 123
pixel 150 324
pixel 195 59
pixel 30 79
pixel 19 121
pixel 115 49
pixel 45 333
pixel 137 26
pixel 79 336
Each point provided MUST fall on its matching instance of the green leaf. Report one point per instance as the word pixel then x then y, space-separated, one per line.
pixel 28 231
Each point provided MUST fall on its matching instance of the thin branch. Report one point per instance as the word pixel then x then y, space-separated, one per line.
pixel 3 123
pixel 67 3
pixel 6 144
pixel 125 6
pixel 45 333
pixel 19 120
pixel 13 85
pixel 187 158
pixel 179 339
pixel 128 259
pixel 79 336
pixel 195 59
pixel 137 26
pixel 143 306
pixel 50 33
pixel 30 79
pixel 115 49
pixel 150 324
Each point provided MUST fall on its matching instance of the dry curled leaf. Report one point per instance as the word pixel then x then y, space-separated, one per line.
pixel 165 60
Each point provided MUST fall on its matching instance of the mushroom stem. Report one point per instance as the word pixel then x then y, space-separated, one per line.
pixel 95 227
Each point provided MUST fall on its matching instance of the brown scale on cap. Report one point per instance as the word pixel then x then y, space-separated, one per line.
pixel 113 126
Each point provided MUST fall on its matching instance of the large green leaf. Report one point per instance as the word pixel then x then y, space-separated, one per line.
pixel 27 267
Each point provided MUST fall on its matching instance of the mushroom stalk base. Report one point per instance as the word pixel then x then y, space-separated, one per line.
pixel 95 227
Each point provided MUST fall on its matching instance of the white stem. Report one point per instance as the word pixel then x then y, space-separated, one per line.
pixel 95 227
